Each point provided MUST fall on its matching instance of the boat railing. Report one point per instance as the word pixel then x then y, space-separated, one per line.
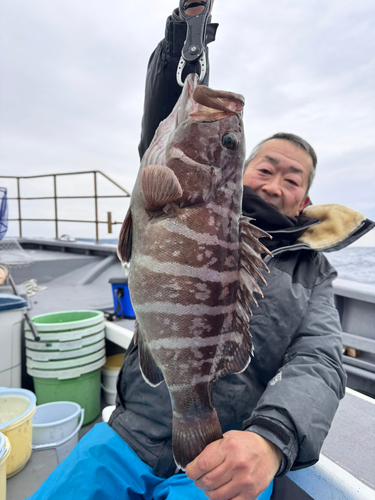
pixel 355 303
pixel 96 175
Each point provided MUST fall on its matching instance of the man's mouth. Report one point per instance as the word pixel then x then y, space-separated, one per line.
pixel 272 203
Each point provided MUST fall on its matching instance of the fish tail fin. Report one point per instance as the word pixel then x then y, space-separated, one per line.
pixel 191 436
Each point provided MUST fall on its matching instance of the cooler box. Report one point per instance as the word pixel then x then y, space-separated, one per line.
pixel 12 309
pixel 121 298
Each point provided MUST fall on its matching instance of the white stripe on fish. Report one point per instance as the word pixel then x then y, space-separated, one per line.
pixel 181 310
pixel 195 342
pixel 173 226
pixel 175 269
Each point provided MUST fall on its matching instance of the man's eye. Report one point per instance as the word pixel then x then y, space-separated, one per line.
pixel 265 171
pixel 292 182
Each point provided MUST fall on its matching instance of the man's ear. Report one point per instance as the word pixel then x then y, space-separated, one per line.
pixel 303 204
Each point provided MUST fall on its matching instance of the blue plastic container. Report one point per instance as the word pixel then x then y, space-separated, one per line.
pixel 9 302
pixel 121 298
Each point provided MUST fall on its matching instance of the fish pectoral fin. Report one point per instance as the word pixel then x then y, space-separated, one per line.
pixel 124 247
pixel 160 186
pixel 236 353
pixel 149 369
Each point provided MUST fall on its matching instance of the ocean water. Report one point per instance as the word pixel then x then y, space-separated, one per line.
pixel 354 264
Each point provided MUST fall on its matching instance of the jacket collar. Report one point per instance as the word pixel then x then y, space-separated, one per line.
pixel 283 229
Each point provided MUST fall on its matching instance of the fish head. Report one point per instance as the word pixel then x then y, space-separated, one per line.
pixel 202 142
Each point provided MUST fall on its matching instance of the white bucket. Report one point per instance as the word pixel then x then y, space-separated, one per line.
pixel 64 346
pixel 64 363
pixel 56 425
pixel 109 378
pixel 110 373
pixel 107 412
pixel 65 355
pixel 68 373
pixel 66 336
pixel 109 395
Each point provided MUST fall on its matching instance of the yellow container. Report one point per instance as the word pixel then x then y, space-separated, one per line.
pixel 4 454
pixel 17 407
pixel 114 362
pixel 110 373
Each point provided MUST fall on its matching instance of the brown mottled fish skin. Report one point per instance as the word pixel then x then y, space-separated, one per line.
pixel 194 260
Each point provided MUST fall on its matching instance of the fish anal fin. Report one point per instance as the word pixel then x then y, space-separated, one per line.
pixel 160 186
pixel 191 436
pixel 124 247
pixel 149 369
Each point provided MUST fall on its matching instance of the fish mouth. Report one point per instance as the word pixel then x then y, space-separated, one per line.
pixel 204 104
pixel 186 99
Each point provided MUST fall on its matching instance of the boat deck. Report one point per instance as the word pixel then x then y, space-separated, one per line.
pixel 77 277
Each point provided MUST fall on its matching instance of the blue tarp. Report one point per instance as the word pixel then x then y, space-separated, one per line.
pixel 3 212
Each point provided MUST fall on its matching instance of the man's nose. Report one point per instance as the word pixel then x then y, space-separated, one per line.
pixel 272 187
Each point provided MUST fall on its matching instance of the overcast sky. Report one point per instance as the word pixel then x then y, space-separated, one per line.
pixel 73 83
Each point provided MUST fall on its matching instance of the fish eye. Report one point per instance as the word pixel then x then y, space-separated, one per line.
pixel 230 140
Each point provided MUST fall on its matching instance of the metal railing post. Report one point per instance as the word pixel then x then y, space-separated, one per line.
pixel 96 209
pixel 109 222
pixel 55 200
pixel 19 207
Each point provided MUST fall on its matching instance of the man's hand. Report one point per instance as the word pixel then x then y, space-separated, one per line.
pixel 238 467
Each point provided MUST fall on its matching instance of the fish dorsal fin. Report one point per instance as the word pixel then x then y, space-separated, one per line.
pixel 124 247
pixel 160 186
pixel 149 369
pixel 250 262
pixel 237 351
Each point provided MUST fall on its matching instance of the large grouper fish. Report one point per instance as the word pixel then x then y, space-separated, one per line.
pixel 194 260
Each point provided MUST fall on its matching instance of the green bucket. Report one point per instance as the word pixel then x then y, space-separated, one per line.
pixel 78 378
pixel 84 390
pixel 67 320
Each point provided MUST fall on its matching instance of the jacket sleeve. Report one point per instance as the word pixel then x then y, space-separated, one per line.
pixel 296 410
pixel 162 90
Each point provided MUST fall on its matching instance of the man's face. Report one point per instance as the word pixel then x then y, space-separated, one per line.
pixel 279 175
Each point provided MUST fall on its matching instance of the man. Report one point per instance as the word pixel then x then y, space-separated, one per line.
pixel 267 411
pixel 276 414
